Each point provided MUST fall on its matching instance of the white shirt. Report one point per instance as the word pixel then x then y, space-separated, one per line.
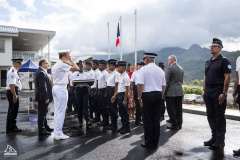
pixel 134 76
pixel 95 75
pixel 13 78
pixel 152 77
pixel 60 73
pixel 111 78
pixel 123 82
pixel 238 68
pixel 102 79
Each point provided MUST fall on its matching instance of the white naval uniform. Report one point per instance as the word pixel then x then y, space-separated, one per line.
pixel 152 77
pixel 13 78
pixel 60 74
pixel 134 76
pixel 238 68
pixel 123 81
pixel 102 79
pixel 111 78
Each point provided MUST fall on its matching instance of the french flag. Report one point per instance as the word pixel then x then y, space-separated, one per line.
pixel 118 36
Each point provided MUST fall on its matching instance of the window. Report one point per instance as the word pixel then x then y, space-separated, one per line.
pixel 2 46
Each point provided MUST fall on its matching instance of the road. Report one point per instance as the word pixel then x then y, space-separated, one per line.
pixel 185 144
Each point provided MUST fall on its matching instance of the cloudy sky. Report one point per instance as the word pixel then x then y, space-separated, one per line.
pixel 81 25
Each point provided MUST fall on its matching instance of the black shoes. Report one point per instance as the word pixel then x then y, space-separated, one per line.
pixel 44 132
pixel 14 130
pixel 174 127
pixel 125 130
pixel 217 146
pixel 148 146
pixel 236 153
pixel 209 142
pixel 49 129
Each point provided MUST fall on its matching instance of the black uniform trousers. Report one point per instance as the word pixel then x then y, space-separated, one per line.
pixel 82 103
pixel 12 111
pixel 174 109
pixel 216 114
pixel 93 102
pixel 238 96
pixel 102 106
pixel 71 100
pixel 42 113
pixel 123 110
pixel 113 110
pixel 151 115
pixel 138 114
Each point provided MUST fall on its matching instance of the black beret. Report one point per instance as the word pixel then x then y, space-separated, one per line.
pixel 88 62
pixel 217 41
pixel 17 60
pixel 102 62
pixel 151 55
pixel 121 63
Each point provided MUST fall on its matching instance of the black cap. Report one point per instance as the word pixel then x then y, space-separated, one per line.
pixel 121 63
pixel 87 62
pixel 151 55
pixel 79 62
pixel 17 60
pixel 140 63
pixel 102 62
pixel 112 61
pixel 95 61
pixel 217 41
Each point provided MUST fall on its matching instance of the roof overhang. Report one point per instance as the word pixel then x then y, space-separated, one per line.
pixel 25 39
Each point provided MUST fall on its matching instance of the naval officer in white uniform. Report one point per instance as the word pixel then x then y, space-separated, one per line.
pixel 60 73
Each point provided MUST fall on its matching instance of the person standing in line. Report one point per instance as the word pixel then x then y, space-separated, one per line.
pixel 60 74
pixel 236 95
pixel 43 92
pixel 102 96
pixel 174 92
pixel 216 83
pixel 14 85
pixel 151 83
pixel 111 78
pixel 120 97
pixel 138 107
pixel 93 93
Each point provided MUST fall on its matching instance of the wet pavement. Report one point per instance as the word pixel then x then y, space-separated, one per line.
pixel 185 144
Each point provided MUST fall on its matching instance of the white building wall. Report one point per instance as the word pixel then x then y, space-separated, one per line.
pixel 5 58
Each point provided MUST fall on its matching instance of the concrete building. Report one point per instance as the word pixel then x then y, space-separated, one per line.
pixel 21 43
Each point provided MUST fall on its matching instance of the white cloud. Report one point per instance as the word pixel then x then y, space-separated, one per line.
pixel 81 24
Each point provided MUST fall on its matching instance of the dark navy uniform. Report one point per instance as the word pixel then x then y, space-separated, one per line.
pixel 214 83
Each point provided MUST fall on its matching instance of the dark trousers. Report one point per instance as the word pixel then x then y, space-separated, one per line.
pixel 102 106
pixel 123 110
pixel 42 113
pixel 216 116
pixel 151 115
pixel 71 100
pixel 174 109
pixel 112 107
pixel 238 96
pixel 82 103
pixel 12 111
pixel 138 114
pixel 93 102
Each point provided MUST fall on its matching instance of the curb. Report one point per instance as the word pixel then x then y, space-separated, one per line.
pixel 191 111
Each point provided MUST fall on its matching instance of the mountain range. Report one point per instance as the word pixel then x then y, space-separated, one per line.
pixel 192 59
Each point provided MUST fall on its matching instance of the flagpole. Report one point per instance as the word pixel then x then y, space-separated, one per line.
pixel 108 29
pixel 135 38
pixel 121 39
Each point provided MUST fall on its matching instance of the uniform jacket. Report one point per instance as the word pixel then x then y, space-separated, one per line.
pixel 43 86
pixel 174 80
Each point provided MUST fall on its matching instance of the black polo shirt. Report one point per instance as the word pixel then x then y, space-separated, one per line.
pixel 215 70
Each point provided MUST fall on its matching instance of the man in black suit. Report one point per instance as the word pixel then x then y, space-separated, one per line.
pixel 43 87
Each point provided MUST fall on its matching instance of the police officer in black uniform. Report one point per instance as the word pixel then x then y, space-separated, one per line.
pixel 217 78
pixel 13 87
